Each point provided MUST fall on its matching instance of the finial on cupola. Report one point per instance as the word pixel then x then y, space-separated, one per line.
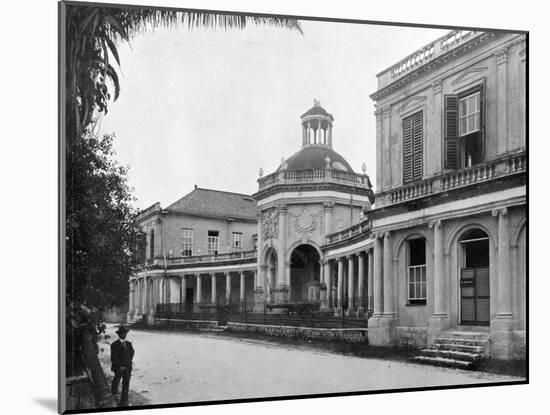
pixel 261 172
pixel 316 102
pixel 364 168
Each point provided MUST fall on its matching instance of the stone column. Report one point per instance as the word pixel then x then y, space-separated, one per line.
pixel 351 284
pixel 370 282
pixel 304 135
pixel 361 283
pixel 504 310
pixel 340 287
pixel 502 99
pixel 213 284
pixel 309 132
pixel 434 125
pixel 440 307
pixel 328 282
pixel 199 289
pixel 145 296
pixel 242 294
pixel 329 135
pixel 228 286
pixel 131 297
pixel 281 288
pixel 183 288
pixel 386 148
pixel 388 277
pixel 378 288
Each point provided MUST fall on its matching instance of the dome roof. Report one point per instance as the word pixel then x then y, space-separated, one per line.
pixel 314 157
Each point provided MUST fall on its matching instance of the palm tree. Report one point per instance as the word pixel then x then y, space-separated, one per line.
pixel 92 35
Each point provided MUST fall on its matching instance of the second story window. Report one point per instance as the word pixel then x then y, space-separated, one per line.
pixel 187 242
pixel 237 240
pixel 464 128
pixel 413 147
pixel 213 242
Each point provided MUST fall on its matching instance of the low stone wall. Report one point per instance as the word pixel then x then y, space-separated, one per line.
pixel 186 324
pixel 350 335
pixel 411 336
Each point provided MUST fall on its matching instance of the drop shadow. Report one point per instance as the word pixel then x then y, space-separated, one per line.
pixel 48 403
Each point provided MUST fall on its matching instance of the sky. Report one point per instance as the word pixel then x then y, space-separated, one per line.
pixel 210 107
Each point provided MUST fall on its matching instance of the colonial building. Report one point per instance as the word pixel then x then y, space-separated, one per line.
pixel 439 260
pixel 448 236
pixel 197 249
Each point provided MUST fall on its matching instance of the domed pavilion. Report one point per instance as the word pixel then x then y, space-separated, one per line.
pixel 312 194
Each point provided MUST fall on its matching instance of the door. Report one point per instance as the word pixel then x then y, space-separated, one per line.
pixel 189 299
pixel 474 296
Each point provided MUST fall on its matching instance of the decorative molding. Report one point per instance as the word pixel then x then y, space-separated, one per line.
pixel 501 211
pixel 467 72
pixel 502 55
pixel 386 112
pixel 437 86
pixel 412 102
pixel 270 224
pixel 523 55
pixel 378 114
pixel 305 228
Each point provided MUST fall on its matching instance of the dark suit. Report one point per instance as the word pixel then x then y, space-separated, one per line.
pixel 121 360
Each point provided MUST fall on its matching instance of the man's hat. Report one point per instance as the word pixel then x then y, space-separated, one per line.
pixel 122 329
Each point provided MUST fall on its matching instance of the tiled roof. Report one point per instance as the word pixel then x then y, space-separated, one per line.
pixel 314 157
pixel 317 110
pixel 217 203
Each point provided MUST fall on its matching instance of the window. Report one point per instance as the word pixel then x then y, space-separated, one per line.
pixel 469 114
pixel 464 128
pixel 187 242
pixel 412 147
pixel 237 240
pixel 213 242
pixel 417 271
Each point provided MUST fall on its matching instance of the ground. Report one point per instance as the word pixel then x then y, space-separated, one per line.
pixel 176 367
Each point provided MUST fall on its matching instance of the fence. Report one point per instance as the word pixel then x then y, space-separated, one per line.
pixel 295 315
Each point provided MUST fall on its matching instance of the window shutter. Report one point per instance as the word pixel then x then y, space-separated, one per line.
pixel 482 113
pixel 417 145
pixel 407 150
pixel 451 132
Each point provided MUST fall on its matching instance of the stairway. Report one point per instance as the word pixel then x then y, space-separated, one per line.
pixel 459 349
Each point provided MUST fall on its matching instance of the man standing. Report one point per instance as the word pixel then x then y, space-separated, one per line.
pixel 122 354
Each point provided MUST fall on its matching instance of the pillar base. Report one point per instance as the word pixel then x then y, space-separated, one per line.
pixel 436 324
pixel 382 330
pixel 280 294
pixel 323 297
pixel 502 338
pixel 259 301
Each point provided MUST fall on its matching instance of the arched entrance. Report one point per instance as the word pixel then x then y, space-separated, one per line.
pixel 304 274
pixel 474 278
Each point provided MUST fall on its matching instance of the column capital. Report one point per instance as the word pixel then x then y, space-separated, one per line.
pixel 501 211
pixel 198 275
pixel 386 111
pixel 437 86
pixel 436 224
pixel 282 208
pixel 378 114
pixel 502 55
pixel 387 234
pixel 328 205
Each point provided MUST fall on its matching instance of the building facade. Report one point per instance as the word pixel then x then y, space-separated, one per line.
pixel 199 250
pixel 439 249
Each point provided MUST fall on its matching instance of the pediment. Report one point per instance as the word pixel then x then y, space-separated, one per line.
pixel 412 102
pixel 468 74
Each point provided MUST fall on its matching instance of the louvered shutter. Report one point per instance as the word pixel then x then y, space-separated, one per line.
pixel 482 119
pixel 451 132
pixel 417 146
pixel 407 149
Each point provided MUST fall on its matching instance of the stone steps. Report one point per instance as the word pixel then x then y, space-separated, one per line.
pixel 442 361
pixel 456 348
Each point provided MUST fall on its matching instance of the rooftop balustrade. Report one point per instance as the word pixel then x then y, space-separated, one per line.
pixel 203 259
pixel 313 176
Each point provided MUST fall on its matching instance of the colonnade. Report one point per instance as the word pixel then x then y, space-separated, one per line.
pixel 147 291
pixel 350 294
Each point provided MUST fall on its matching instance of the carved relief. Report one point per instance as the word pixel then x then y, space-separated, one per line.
pixel 306 223
pixel 270 224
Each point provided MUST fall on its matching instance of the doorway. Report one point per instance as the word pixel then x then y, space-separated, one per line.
pixel 474 279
